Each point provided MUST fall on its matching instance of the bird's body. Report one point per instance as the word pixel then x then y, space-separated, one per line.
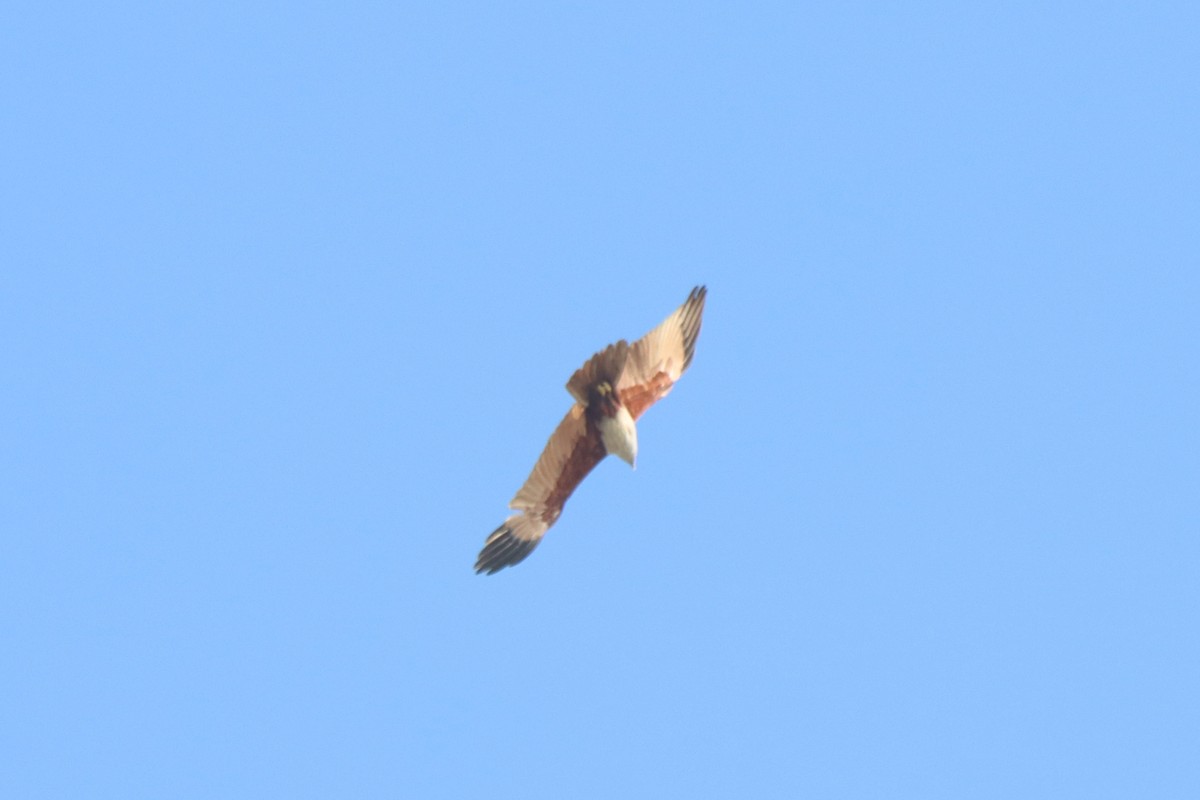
pixel 611 391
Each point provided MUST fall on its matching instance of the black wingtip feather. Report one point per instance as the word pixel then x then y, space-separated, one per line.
pixel 501 550
pixel 690 324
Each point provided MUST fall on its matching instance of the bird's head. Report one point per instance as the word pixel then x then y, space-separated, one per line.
pixel 617 429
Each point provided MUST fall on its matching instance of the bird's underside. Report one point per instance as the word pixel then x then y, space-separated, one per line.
pixel 612 390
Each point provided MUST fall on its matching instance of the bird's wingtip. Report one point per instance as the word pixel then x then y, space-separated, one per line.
pixel 503 549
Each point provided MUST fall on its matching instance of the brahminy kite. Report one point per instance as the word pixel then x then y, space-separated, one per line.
pixel 611 390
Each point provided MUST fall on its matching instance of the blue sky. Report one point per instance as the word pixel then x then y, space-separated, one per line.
pixel 290 295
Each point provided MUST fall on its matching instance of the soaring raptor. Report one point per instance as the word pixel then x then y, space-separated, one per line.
pixel 611 390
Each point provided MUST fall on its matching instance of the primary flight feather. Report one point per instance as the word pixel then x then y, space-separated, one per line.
pixel 611 391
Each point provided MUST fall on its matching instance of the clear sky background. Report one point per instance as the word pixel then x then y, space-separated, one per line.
pixel 288 296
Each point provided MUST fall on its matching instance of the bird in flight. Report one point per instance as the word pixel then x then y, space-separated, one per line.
pixel 611 390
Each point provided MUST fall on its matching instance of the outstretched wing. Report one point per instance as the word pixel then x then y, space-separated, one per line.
pixel 660 357
pixel 573 450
